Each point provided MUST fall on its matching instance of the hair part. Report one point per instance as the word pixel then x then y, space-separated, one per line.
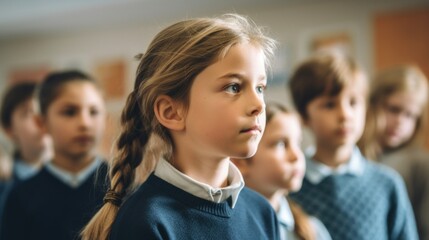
pixel 53 84
pixel 325 73
pixel 172 61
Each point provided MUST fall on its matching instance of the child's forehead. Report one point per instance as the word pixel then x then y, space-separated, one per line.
pixel 79 91
pixel 355 87
pixel 77 86
pixel 356 82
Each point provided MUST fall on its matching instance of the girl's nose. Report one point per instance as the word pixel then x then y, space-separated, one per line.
pixel 85 119
pixel 256 104
pixel 294 153
pixel 345 111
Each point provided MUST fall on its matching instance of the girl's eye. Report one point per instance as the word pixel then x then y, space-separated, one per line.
pixel 329 104
pixel 69 112
pixel 94 112
pixel 260 89
pixel 353 102
pixel 233 88
pixel 281 144
pixel 394 109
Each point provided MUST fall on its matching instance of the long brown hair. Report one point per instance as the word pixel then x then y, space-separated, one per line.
pixel 172 61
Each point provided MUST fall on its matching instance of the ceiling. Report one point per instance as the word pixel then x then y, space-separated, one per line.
pixel 31 17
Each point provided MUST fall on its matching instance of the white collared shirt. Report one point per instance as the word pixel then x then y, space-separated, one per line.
pixel 286 221
pixel 168 173
pixel 287 224
pixel 24 171
pixel 74 180
pixel 317 171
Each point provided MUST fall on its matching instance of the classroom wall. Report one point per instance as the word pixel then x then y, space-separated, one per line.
pixel 292 24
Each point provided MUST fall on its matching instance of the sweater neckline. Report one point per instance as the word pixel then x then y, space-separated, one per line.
pixel 222 209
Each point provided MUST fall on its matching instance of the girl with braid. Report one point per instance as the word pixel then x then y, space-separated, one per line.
pixel 199 89
pixel 59 200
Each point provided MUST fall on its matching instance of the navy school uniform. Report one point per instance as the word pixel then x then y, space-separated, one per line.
pixel 170 205
pixel 46 206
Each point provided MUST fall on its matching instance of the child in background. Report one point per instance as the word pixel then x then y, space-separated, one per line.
pixel 277 169
pixel 199 87
pixel 395 131
pixel 32 146
pixel 58 201
pixel 354 198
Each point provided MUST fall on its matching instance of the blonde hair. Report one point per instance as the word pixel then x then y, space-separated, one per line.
pixel 172 61
pixel 405 78
pixel 325 73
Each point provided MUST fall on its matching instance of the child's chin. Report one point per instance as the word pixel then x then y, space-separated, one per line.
pixel 246 154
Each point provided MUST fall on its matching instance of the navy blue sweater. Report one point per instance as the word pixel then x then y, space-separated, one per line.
pixel 43 207
pixel 159 210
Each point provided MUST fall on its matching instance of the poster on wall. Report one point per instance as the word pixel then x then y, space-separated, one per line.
pixel 342 38
pixel 340 42
pixel 25 74
pixel 112 76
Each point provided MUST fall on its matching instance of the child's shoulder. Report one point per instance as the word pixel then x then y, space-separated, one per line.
pixel 254 200
pixel 35 183
pixel 383 174
pixel 33 188
pixel 250 195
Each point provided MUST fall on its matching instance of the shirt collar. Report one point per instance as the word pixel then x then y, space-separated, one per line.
pixel 317 171
pixel 25 171
pixel 284 215
pixel 168 173
pixel 74 180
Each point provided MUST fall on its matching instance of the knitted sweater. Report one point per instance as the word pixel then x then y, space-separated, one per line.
pixel 43 207
pixel 373 205
pixel 159 210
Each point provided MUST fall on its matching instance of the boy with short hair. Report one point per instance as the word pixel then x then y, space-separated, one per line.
pixel 31 146
pixel 355 198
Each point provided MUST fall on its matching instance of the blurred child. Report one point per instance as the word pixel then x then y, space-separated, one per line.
pixel 354 198
pixel 5 173
pixel 62 197
pixel 199 87
pixel 31 145
pixel 395 131
pixel 5 168
pixel 277 169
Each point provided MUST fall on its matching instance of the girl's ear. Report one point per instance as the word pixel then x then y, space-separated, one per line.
pixel 170 113
pixel 242 165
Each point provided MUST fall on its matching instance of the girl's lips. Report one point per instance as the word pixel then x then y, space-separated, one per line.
pixel 254 129
pixel 84 139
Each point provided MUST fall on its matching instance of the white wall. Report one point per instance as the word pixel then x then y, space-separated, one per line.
pixel 292 24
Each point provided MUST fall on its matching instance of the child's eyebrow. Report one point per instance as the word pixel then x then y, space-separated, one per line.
pixel 69 105
pixel 240 77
